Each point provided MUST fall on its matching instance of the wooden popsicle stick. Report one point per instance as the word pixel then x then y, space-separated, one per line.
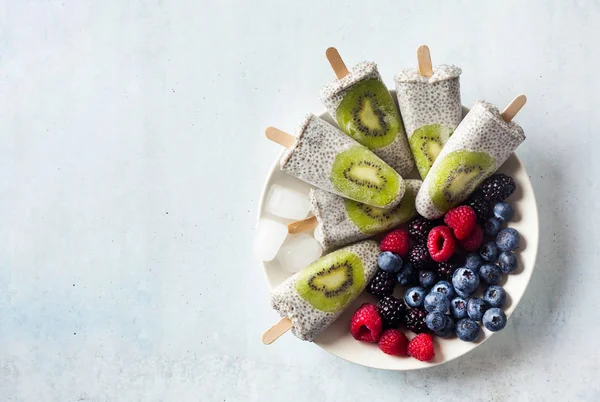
pixel 302 226
pixel 280 137
pixel 336 62
pixel 513 108
pixel 424 59
pixel 271 334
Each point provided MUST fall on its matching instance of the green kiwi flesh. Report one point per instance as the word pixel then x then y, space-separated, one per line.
pixel 426 144
pixel 457 176
pixel 329 283
pixel 359 174
pixel 372 220
pixel 368 114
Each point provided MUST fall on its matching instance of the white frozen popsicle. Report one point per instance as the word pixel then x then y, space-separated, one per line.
pixel 325 157
pixel 479 146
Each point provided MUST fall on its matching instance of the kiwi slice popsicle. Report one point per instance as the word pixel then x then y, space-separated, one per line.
pixel 431 110
pixel 341 221
pixel 327 158
pixel 316 296
pixel 479 146
pixel 364 109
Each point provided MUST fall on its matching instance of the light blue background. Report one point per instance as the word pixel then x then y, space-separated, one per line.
pixel 132 160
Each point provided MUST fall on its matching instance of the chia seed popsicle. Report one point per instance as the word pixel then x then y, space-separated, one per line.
pixel 479 146
pixel 342 221
pixel 431 110
pixel 325 157
pixel 364 109
pixel 316 296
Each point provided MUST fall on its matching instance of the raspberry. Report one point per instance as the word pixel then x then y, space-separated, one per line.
pixel 441 243
pixel 419 257
pixel 462 220
pixel 474 240
pixel 391 311
pixel 419 229
pixel 366 324
pixel 393 342
pixel 480 206
pixel 421 347
pixel 396 242
pixel 382 284
pixel 414 320
pixel 498 187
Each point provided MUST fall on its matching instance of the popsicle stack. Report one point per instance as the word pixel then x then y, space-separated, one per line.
pixel 359 170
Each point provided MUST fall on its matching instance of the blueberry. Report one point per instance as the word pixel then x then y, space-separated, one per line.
pixel 390 262
pixel 508 239
pixel 494 296
pixel 458 308
pixel 414 296
pixel 489 251
pixel 492 226
pixel 464 294
pixel 406 277
pixel 435 321
pixel 467 330
pixel 490 273
pixel 465 280
pixel 476 307
pixel 507 262
pixel 448 329
pixel 436 301
pixel 473 261
pixel 445 288
pixel 494 319
pixel 427 278
pixel 503 211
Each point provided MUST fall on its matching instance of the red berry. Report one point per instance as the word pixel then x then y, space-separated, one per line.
pixel 397 242
pixel 474 240
pixel 462 220
pixel 366 324
pixel 421 347
pixel 441 243
pixel 393 342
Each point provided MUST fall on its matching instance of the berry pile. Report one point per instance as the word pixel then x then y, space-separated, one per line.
pixel 442 264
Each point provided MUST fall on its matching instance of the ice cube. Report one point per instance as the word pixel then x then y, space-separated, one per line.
pixel 287 203
pixel 298 252
pixel 270 235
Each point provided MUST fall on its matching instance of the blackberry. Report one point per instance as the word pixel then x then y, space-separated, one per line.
pixel 414 320
pixel 446 269
pixel 391 311
pixel 419 228
pixel 480 206
pixel 383 284
pixel 498 187
pixel 419 257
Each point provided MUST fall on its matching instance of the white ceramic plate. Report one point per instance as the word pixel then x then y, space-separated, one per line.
pixel 337 339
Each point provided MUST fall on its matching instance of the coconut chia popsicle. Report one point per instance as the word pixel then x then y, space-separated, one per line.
pixel 316 296
pixel 342 221
pixel 479 146
pixel 431 110
pixel 327 158
pixel 364 109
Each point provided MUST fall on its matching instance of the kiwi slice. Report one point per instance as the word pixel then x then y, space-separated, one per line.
pixel 359 174
pixel 332 281
pixel 457 176
pixel 426 144
pixel 368 114
pixel 372 220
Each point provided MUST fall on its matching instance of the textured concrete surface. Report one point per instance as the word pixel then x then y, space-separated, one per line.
pixel 132 159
